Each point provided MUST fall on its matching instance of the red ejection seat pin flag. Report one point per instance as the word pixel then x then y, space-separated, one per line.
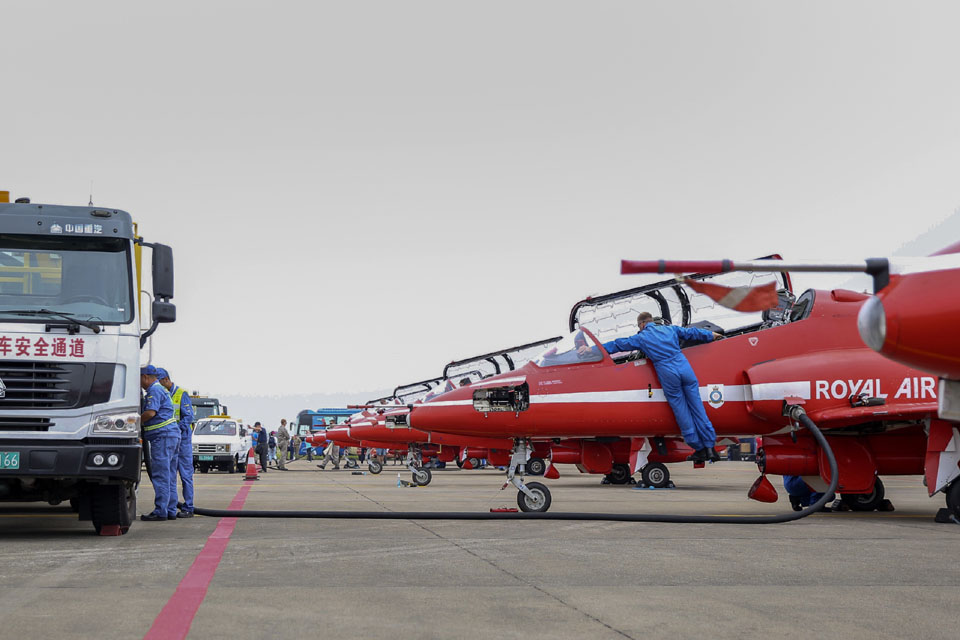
pixel 745 299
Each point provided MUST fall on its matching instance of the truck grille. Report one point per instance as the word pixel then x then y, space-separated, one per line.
pixel 25 424
pixel 54 385
pixel 206 448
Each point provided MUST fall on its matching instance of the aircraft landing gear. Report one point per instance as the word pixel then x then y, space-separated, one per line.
pixel 414 462
pixel 619 474
pixel 656 474
pixel 865 501
pixel 537 500
pixel 536 466
pixel 534 496
pixel 374 466
pixel 422 477
pixel 953 498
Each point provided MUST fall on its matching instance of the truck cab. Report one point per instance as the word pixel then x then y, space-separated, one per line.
pixel 70 354
pixel 220 442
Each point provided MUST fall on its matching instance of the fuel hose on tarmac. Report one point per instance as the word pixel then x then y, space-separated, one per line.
pixel 797 414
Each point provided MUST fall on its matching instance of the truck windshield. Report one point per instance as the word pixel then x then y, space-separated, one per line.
pixel 85 278
pixel 215 428
pixel 206 409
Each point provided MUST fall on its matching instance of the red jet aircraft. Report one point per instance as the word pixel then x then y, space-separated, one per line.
pixel 911 319
pixel 806 352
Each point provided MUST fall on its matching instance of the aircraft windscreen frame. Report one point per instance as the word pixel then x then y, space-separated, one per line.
pixel 94 276
pixel 215 428
pixel 567 351
pixel 615 315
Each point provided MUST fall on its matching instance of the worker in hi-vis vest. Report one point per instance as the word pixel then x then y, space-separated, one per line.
pixel 183 412
pixel 161 431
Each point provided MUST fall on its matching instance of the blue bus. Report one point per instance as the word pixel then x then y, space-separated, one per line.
pixel 310 420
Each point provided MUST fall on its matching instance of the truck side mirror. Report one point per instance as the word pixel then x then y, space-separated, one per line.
pixel 162 272
pixel 164 311
pixel 243 432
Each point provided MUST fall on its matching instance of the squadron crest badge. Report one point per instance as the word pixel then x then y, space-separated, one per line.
pixel 715 395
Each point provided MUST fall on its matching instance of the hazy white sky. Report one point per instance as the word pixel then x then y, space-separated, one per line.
pixel 359 192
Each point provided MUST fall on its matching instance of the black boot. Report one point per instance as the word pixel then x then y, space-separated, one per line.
pixel 698 456
pixel 713 455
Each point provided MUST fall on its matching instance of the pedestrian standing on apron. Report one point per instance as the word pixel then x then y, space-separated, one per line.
pixel 183 412
pixel 160 429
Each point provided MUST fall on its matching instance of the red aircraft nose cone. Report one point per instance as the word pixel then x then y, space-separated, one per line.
pixel 762 491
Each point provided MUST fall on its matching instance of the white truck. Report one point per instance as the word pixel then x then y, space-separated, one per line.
pixel 70 356
pixel 220 443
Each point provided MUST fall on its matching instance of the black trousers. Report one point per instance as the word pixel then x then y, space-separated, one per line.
pixel 263 459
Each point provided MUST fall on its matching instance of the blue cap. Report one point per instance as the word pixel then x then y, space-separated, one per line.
pixel 149 370
pixel 162 373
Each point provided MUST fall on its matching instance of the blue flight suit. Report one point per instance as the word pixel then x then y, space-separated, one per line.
pixel 661 345
pixel 163 434
pixel 184 414
pixel 802 493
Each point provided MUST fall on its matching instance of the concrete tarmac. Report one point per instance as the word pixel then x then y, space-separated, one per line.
pixel 850 575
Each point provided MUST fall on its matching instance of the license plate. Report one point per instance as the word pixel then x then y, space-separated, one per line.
pixel 206 457
pixel 9 459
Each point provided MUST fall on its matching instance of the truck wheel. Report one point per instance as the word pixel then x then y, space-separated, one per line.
pixel 536 466
pixel 422 477
pixel 375 466
pixel 619 474
pixel 241 465
pixel 655 474
pixel 540 501
pixel 865 501
pixel 231 467
pixel 204 468
pixel 113 504
pixel 953 498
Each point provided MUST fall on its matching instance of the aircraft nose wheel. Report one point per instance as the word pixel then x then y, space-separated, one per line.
pixel 375 466
pixel 539 502
pixel 655 474
pixel 422 477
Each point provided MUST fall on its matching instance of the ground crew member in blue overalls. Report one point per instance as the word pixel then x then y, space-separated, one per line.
pixel 661 345
pixel 160 429
pixel 183 412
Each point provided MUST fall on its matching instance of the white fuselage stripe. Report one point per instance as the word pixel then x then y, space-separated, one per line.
pixel 731 393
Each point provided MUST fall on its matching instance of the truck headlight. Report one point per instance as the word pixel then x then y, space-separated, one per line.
pixel 117 424
pixel 221 448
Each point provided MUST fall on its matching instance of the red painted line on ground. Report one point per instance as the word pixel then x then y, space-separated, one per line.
pixel 177 615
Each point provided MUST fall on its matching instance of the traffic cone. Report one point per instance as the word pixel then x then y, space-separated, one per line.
pixel 252 473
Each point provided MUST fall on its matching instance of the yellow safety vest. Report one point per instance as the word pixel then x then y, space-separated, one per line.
pixel 176 397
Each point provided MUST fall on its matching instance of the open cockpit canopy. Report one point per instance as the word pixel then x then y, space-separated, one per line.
pixel 614 315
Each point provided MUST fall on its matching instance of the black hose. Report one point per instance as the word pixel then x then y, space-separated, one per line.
pixel 798 414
